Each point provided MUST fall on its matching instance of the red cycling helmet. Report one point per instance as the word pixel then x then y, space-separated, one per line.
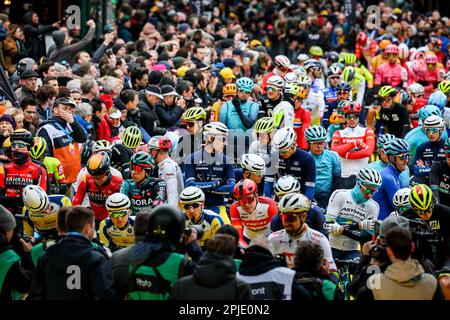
pixel 160 143
pixel 245 188
pixel 361 38
pixel 431 59
pixel 352 107
pixel 392 48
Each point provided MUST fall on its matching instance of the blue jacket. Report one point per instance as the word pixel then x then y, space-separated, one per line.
pixel 328 169
pixel 230 117
pixel 390 185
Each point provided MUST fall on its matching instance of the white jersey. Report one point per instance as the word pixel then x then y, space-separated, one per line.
pixel 282 243
pixel 285 110
pixel 345 211
pixel 315 104
pixel 170 172
pixel 446 116
pixel 84 171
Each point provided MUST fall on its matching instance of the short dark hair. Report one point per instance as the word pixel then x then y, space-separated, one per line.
pixel 61 222
pixel 77 218
pixel 44 93
pixel 84 69
pixel 221 243
pixel 127 95
pixel 308 257
pixel 399 240
pixel 232 231
pixel 27 102
pixel 96 104
pixel 48 79
pixel 138 73
pixel 140 45
pixel 183 86
pixel 44 68
pixel 199 46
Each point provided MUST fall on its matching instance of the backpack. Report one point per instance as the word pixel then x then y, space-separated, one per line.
pixel 312 284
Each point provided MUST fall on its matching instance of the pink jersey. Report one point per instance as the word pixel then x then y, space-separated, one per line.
pixel 392 74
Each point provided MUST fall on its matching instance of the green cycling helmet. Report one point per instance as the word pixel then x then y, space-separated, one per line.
pixel 342 56
pixel 143 159
pixel 350 59
pixel 194 114
pixel 132 137
pixel 444 86
pixel 315 133
pixel 386 91
pixel 348 74
pixel 38 150
pixel 265 125
pixel 316 51
pixel 385 138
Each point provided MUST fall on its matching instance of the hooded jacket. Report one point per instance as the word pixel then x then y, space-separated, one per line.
pixel 53 272
pixel 68 52
pixel 34 36
pixel 404 280
pixel 214 278
pixel 148 116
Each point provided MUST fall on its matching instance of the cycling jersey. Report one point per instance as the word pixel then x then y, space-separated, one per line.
pixel 414 115
pixel 377 61
pixel 395 120
pixel 328 170
pixel 317 85
pixel 440 182
pixel 283 114
pixel 429 80
pixel 315 104
pixel 256 223
pixel 331 103
pixel 44 221
pixel 55 174
pixel 302 120
pixel 391 74
pixel 354 146
pixel 416 137
pixel 428 152
pixel 380 165
pixel 266 106
pixel 97 194
pixel 231 118
pixel 301 166
pixel 213 174
pixel 283 243
pixel 147 193
pixel 358 85
pixel 83 172
pixel 170 172
pixel 120 159
pixel 14 177
pixel 209 221
pixel 239 175
pixel 390 184
pixel 187 144
pixel 116 238
pixel 344 209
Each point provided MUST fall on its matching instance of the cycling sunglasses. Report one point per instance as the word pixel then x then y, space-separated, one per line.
pixel 220 138
pixel 351 115
pixel 386 99
pixel 189 124
pixel 404 157
pixel 19 144
pixel 424 212
pixel 318 143
pixel 247 200
pixel 342 92
pixel 244 91
pixel 191 205
pixel 138 168
pixel 272 89
pixel 432 130
pixel 119 214
pixel 334 77
pixel 368 190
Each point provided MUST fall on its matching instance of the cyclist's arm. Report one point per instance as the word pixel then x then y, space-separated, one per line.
pixel 366 149
pixel 404 118
pixel 236 221
pixel 81 192
pixel 160 190
pixel 334 206
pixel 103 233
pixel 223 113
pixel 310 178
pixel 379 76
pixel 191 182
pixel 420 171
pixel 230 180
pixel 361 88
pixel 341 149
pixel 336 163
pixel 170 176
pixel 434 180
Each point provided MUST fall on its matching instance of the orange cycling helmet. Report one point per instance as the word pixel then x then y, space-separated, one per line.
pixel 384 44
pixel 229 89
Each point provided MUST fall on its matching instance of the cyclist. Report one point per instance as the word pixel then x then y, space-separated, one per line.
pixel 381 58
pixel 356 81
pixel 98 184
pixel 314 71
pixel 294 161
pixel 121 152
pixel 354 144
pixel 337 120
pixel 328 164
pixel 193 119
pixel 117 231
pixel 401 202
pixel 330 95
pixel 192 200
pixel 391 73
pixel 143 189
pixel 433 74
pixel 440 177
pixel 417 93
pixel 444 87
pixel 418 136
pixel 431 151
pixel 294 208
pixel 229 92
pixel 439 99
pixel 394 117
pixel 168 170
pixel 273 97
pixel 311 101
pixel 316 54
pixel 316 215
pixel 55 172
pixel 251 214
pixel 437 217
pixel 264 130
pixel 353 207
pixel 382 163
pixel 211 170
pixel 281 64
pixel 397 151
pixel 19 173
pixel 252 167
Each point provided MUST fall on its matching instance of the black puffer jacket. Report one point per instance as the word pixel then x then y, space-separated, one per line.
pixel 214 278
pixel 34 36
pixel 148 117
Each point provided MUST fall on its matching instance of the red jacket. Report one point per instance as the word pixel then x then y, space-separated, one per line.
pixel 103 130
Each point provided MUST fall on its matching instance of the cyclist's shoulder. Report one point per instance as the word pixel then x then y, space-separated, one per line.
pixel 277 235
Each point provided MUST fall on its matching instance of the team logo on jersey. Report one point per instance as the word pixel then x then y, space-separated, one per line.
pixel 435 225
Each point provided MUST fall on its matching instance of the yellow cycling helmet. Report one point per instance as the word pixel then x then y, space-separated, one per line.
pixel 265 125
pixel 384 44
pixel 132 137
pixel 421 197
pixel 194 114
pixel 39 148
pixel 444 86
pixel 7 143
pixel 229 89
pixel 350 59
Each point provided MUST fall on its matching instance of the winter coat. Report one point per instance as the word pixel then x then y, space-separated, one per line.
pixel 68 52
pixel 149 118
pixel 34 37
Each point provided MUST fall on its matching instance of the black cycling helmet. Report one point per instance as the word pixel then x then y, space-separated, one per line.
pixel 86 150
pixel 166 223
pixel 22 135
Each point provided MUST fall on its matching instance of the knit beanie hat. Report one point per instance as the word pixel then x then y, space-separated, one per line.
pixel 7 220
pixel 58 37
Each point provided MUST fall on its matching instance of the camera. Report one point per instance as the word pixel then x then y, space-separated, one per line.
pixel 425 240
pixel 197 228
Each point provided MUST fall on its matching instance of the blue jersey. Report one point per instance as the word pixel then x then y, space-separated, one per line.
pixel 390 185
pixel 380 165
pixel 328 169
pixel 230 117
pixel 416 137
pixel 301 166
pixel 331 103
pixel 428 152
pixel 214 175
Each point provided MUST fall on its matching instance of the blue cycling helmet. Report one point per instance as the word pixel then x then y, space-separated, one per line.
pixel 315 133
pixel 429 110
pixel 396 146
pixel 245 84
pixel 385 138
pixel 343 86
pixel 438 99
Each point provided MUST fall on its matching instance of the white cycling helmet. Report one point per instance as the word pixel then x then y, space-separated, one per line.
pixel 192 195
pixel 447 75
pixel 117 202
pixel 284 138
pixel 416 88
pixel 281 61
pixel 401 198
pixel 300 72
pixel 290 77
pixel 369 177
pixel 253 163
pixel 304 81
pixel 294 203
pixel 285 185
pixel 434 121
pixel 35 198
pixel 403 51
pixel 215 129
pixel 101 145
pixel 275 81
pixel 302 57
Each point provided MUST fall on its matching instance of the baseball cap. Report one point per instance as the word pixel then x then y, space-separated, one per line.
pixel 168 90
pixel 154 90
pixel 28 74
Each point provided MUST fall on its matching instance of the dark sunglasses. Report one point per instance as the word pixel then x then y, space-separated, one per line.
pixel 368 190
pixel 191 205
pixel 342 92
pixel 404 157
pixel 386 99
pixel 245 91
pixel 432 130
pixel 137 168
pixel 19 144
pixel 189 124
pixel 272 89
pixel 351 115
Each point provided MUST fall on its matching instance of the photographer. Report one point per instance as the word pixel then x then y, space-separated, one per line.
pixel 172 107
pixel 437 217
